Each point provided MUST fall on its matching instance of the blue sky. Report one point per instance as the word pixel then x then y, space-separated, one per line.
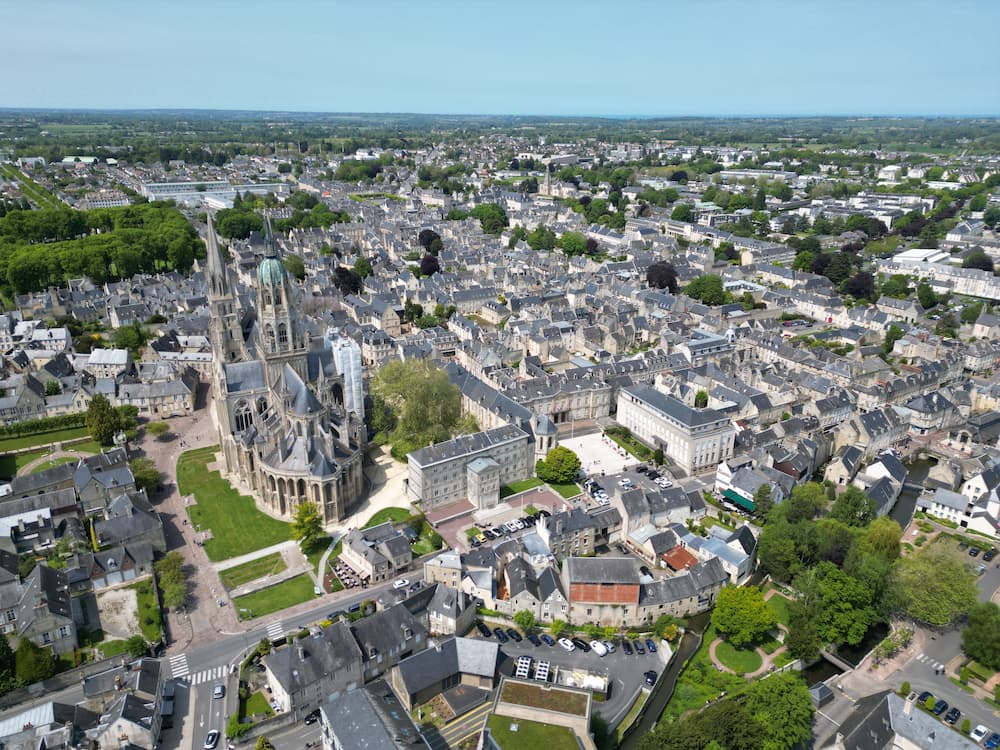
pixel 616 57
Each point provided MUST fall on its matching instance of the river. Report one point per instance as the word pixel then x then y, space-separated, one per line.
pixel 902 511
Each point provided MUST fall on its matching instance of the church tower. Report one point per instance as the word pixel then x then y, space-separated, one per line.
pixel 282 336
pixel 225 331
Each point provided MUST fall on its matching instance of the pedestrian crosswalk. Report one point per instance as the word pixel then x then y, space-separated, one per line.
pixel 275 630
pixel 209 675
pixel 178 666
pixel 924 658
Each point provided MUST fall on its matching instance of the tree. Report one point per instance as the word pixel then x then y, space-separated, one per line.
pixel 981 636
pixel 560 465
pixel 557 627
pixel 933 586
pixel 172 580
pixel 777 550
pixel 978 259
pixel 33 663
pixel 861 286
pixel 541 238
pixel 136 646
pixel 53 388
pixel 762 501
pixel 524 620
pixel 102 420
pixel 707 289
pixel 573 243
pixel 158 429
pixel 492 218
pixel 881 539
pixel 294 265
pixel 263 743
pixel 132 337
pixel 853 507
pixel 682 212
pixel 926 296
pixel 662 275
pixel 8 667
pixel 426 237
pixel 346 280
pixel 991 216
pixel 804 260
pixel 894 334
pixel 803 639
pixel 897 286
pixel 701 399
pixel 363 267
pixel 307 524
pixel 742 615
pixel 429 265
pixel 782 705
pixel 147 476
pixel 971 312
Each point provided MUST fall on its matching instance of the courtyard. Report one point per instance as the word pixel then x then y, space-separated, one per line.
pixel 598 454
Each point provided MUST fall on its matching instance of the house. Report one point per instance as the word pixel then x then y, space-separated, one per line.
pixel 872 432
pixel 450 611
pixel 306 673
pixel 44 613
pixel 467 662
pixel 377 553
pixel 682 595
pixel 569 533
pixel 370 718
pixel 386 638
pixel 601 590
pixel 886 720
pixel 844 466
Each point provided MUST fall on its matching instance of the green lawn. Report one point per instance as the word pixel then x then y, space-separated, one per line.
pixel 113 648
pixel 42 438
pixel 251 571
pixel 150 622
pixel 782 659
pixel 515 487
pixel 388 514
pixel 779 605
pixel 530 735
pixel 257 705
pixel 631 444
pixel 740 660
pixel 566 490
pixel 700 682
pixel 236 524
pixel 280 596
pixel 314 552
pixel 52 463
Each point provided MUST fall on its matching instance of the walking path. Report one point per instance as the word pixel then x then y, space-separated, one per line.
pixel 767 660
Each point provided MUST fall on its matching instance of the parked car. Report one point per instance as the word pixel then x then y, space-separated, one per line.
pixel 626 646
pixel 639 648
pixel 939 707
pixel 644 570
pixel 402 583
pixel 219 691
pixel 484 631
pixel 211 740
pixel 650 646
pixel 312 717
pixel 501 636
pixel 650 678
pixel 534 639
pixel 581 644
pixel 973 551
pixel 952 716
pixel 598 648
pixel 992 742
pixel 922 698
pixel 989 554
pixel 475 542
pixel 514 635
pixel 610 646
pixel 548 640
pixel 978 733
pixel 567 644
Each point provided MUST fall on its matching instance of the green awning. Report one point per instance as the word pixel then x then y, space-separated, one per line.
pixel 738 500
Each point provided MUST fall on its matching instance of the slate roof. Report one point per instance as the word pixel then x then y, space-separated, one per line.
pixel 333 650
pixel 620 570
pixel 473 656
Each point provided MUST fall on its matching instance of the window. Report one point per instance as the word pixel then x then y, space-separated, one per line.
pixel 46 638
pixel 64 631
pixel 11 615
pixel 282 335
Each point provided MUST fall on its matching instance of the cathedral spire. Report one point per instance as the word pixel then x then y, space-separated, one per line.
pixel 270 248
pixel 218 280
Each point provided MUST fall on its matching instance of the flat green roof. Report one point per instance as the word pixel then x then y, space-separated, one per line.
pixel 530 735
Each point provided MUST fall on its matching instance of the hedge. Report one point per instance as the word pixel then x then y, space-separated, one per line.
pixel 46 424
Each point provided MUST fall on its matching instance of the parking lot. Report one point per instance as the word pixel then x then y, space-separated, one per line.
pixel 624 673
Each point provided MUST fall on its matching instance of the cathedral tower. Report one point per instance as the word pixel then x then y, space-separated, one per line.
pixel 282 336
pixel 225 331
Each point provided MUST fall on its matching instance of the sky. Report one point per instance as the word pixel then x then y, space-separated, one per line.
pixel 543 57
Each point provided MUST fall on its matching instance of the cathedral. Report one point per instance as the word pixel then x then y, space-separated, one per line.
pixel 286 432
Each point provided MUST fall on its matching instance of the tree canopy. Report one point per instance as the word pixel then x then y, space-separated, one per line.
pixel 103 421
pixel 662 275
pixel 560 465
pixel 742 615
pixel 933 586
pixel 707 289
pixel 981 635
pixel 853 507
pixel 307 524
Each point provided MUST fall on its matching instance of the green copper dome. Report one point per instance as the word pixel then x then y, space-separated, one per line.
pixel 272 272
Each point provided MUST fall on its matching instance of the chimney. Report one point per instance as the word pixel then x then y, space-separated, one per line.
pixel 302 653
pixel 907 707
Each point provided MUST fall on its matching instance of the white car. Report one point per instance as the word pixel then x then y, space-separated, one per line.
pixel 599 648
pixel 402 583
pixel 979 733
pixel 567 644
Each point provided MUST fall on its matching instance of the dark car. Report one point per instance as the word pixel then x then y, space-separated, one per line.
pixel 312 717
pixel 940 707
pixel 484 631
pixel 535 640
pixel 548 640
pixel 952 716
pixel 641 469
pixel 581 644
pixel 501 636
pixel 650 646
pixel 992 742
pixel 514 635
pixel 644 570
pixel 922 698
pixel 639 648
pixel 544 514
pixel 474 542
pixel 653 475
pixel 989 554
pixel 973 551
pixel 627 647
pixel 650 678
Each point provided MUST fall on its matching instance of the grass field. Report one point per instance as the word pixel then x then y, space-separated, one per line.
pixel 700 682
pixel 257 705
pixel 566 490
pixel 779 605
pixel 515 487
pixel 281 596
pixel 42 438
pixel 531 734
pixel 315 551
pixel 388 514
pixel 251 571
pixel 740 660
pixel 237 526
pixel 631 444
pixel 150 621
